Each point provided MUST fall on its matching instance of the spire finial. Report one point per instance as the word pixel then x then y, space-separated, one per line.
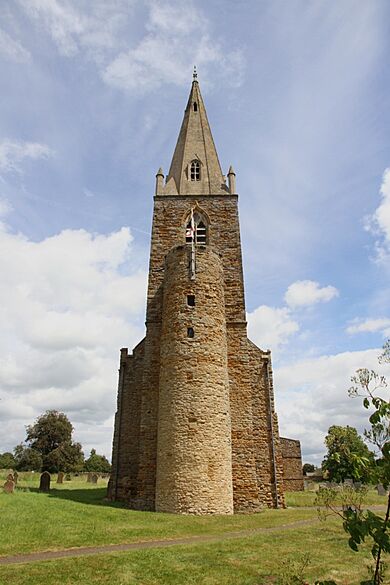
pixel 195 74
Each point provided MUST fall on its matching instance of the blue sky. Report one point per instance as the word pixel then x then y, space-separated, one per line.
pixel 92 99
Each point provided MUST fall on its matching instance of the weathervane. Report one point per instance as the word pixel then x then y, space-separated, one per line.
pixel 194 75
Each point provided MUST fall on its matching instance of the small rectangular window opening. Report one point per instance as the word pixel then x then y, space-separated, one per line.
pixel 191 300
pixel 195 107
pixel 190 332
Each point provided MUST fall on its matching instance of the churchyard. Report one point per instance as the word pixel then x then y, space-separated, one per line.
pixel 265 548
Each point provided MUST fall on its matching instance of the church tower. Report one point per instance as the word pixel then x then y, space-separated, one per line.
pixel 195 430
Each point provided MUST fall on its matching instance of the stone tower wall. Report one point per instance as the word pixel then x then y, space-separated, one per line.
pixel 292 465
pixel 194 466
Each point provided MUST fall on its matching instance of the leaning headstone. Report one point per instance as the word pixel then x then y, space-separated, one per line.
pixel 9 486
pixel 381 490
pixel 60 477
pixel 16 475
pixel 94 478
pixel 44 484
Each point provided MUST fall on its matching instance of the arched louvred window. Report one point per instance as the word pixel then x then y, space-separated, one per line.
pixel 195 170
pixel 199 233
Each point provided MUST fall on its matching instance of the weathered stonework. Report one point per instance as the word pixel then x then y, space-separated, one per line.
pixel 196 430
pixel 292 465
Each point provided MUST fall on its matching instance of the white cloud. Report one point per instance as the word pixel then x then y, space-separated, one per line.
pixel 379 222
pixel 311 395
pixel 270 327
pixel 100 31
pixel 370 326
pixel 67 305
pixel 308 292
pixel 13 153
pixel 12 49
pixel 164 54
pixel 77 26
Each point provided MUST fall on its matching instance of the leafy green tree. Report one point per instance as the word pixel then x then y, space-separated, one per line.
pixel 97 463
pixel 348 456
pixel 51 436
pixel 7 461
pixel 27 459
pixel 307 468
pixel 363 524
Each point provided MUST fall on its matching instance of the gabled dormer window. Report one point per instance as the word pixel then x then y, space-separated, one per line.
pixel 195 170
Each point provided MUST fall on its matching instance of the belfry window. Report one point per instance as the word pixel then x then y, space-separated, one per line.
pixel 195 170
pixel 196 231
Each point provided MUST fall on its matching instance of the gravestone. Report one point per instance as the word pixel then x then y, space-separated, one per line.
pixel 94 478
pixel 44 484
pixel 10 477
pixel 381 490
pixel 89 477
pixel 16 475
pixel 9 486
pixel 348 481
pixel 358 485
pixel 60 477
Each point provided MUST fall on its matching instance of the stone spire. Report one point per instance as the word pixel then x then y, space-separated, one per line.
pixel 195 168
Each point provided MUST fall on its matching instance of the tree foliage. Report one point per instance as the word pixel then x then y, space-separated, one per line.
pixel 97 463
pixel 363 524
pixel 27 459
pixel 307 468
pixel 7 461
pixel 348 456
pixel 51 437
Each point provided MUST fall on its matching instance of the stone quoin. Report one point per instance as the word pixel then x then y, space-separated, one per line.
pixel 196 430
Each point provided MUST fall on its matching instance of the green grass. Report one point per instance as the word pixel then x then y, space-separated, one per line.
pixel 307 498
pixel 75 514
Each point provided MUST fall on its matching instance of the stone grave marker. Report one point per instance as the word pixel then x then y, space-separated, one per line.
pixel 16 475
pixel 60 477
pixel 348 481
pixel 381 490
pixel 9 486
pixel 89 477
pixel 44 484
pixel 94 478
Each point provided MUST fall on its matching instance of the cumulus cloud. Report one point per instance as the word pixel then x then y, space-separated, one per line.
pixel 271 327
pixel 311 395
pixel 165 56
pixel 13 153
pixel 67 304
pixel 370 326
pixel 12 49
pixel 308 292
pixel 379 223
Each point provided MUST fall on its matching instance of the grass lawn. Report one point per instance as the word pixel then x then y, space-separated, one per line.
pixel 74 514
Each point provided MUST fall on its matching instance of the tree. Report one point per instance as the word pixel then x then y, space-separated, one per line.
pixel 307 468
pixel 51 436
pixel 7 461
pixel 348 456
pixel 27 459
pixel 364 524
pixel 97 463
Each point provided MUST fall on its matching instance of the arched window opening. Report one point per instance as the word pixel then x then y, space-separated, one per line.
pixel 198 232
pixel 195 170
pixel 195 107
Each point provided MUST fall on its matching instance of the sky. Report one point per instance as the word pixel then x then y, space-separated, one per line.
pixel 92 98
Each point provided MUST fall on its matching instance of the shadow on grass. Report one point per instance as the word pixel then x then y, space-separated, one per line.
pixel 95 496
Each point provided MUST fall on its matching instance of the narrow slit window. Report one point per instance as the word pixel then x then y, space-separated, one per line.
pixel 191 300
pixel 195 170
pixel 195 107
pixel 190 332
